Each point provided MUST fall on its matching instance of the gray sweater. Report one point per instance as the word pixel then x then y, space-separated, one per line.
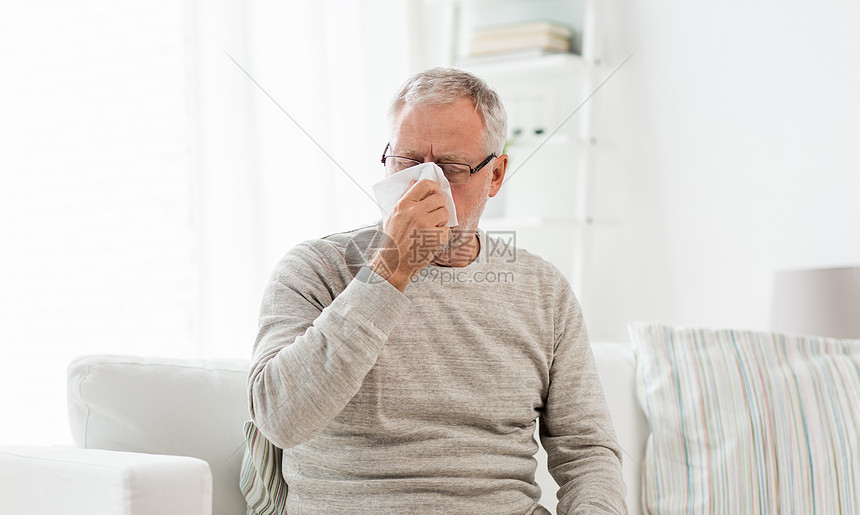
pixel 426 401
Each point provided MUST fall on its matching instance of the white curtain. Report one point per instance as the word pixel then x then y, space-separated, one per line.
pixel 313 79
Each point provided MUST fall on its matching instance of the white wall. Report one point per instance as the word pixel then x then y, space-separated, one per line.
pixel 732 140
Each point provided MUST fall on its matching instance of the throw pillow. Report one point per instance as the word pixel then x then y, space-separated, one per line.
pixel 261 481
pixel 748 422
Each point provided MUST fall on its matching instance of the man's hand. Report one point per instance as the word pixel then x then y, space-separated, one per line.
pixel 417 230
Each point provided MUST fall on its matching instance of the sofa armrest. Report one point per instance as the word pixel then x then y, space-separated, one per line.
pixel 42 480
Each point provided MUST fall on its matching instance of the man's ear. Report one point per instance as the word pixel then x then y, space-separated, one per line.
pixel 500 166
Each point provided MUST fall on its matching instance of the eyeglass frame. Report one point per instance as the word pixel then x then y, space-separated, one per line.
pixel 472 171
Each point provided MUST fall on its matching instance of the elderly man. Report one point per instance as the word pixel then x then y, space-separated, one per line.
pixel 392 390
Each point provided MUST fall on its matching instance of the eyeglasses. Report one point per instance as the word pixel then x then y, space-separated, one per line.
pixel 456 173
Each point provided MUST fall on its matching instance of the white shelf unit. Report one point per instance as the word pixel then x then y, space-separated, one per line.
pixel 545 198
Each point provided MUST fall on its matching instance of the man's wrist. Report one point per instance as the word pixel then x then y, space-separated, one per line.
pixel 397 278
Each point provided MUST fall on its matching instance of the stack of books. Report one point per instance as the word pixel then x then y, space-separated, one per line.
pixel 528 38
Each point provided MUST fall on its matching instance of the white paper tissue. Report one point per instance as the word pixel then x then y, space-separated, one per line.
pixel 389 190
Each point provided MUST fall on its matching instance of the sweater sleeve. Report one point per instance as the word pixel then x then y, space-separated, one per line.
pixel 575 427
pixel 315 346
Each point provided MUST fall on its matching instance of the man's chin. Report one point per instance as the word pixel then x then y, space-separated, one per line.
pixel 457 242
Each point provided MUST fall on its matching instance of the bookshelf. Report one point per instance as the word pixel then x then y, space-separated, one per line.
pixel 553 150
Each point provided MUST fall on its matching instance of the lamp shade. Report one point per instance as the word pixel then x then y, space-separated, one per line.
pixel 821 302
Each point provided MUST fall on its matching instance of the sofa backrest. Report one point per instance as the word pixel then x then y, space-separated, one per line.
pixel 165 406
pixel 197 408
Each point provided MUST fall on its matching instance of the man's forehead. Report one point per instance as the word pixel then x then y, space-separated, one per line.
pixel 451 115
pixel 445 133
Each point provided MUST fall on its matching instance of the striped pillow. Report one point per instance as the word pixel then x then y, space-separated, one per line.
pixel 261 481
pixel 748 422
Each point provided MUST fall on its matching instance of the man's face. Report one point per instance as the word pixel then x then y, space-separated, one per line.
pixel 451 134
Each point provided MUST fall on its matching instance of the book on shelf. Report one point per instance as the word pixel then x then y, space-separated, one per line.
pixel 542 42
pixel 540 35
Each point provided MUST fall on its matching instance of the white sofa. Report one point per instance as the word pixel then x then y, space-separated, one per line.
pixel 164 436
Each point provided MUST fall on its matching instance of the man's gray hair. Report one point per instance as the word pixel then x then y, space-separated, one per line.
pixel 440 86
